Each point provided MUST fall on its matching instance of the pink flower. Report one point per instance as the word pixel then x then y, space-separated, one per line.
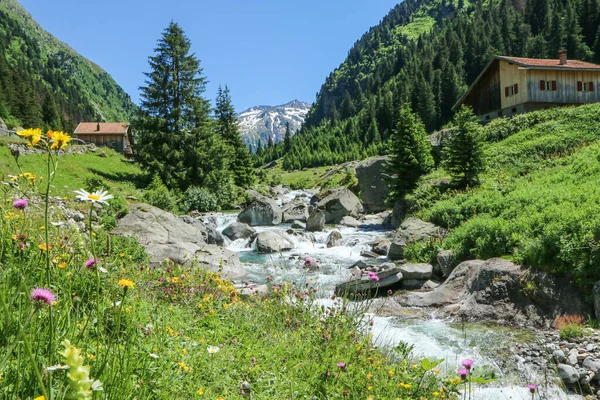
pixel 532 387
pixel 463 373
pixel 90 263
pixel 341 365
pixel 42 295
pixel 467 364
pixel 20 204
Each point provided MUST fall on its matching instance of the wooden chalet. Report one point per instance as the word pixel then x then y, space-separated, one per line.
pixel 514 85
pixel 115 135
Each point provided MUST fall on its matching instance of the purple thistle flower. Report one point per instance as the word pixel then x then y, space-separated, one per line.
pixel 463 373
pixel 42 294
pixel 467 364
pixel 374 277
pixel 20 204
pixel 341 364
pixel 90 263
pixel 532 387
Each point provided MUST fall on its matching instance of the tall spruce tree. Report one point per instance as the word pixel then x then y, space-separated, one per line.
pixel 463 155
pixel 410 154
pixel 227 128
pixel 173 124
pixel 287 140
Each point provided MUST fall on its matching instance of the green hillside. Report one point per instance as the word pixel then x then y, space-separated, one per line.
pixel 43 82
pixel 426 53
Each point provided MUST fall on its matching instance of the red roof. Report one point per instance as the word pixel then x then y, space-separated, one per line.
pixel 551 64
pixel 102 128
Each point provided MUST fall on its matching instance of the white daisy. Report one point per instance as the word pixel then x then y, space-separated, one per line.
pixel 213 349
pixel 99 196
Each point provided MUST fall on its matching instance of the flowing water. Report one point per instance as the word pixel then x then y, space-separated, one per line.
pixel 430 337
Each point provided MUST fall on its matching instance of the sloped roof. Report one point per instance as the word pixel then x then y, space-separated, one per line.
pixel 105 128
pixel 540 63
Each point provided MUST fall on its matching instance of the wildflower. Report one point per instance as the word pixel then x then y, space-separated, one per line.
pixel 373 276
pixel 42 295
pixel 391 372
pixel 213 349
pixel 467 364
pixel 126 283
pixel 59 140
pixel 43 247
pixel 390 291
pixel 532 388
pixel 20 204
pixel 341 365
pixel 369 375
pixel 155 356
pixel 90 263
pixel 79 375
pixel 33 136
pixel 62 265
pixel 99 196
pixel 40 398
pixel 200 391
pixel 463 373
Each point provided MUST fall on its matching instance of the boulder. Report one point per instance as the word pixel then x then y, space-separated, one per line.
pixel 297 210
pixel 334 238
pixel 445 262
pixel 316 221
pixel 238 230
pixel 298 225
pixel 3 128
pixel 413 230
pixel 372 183
pixel 209 234
pixel 380 246
pixel 351 222
pixel 369 254
pixel 593 365
pixel 500 291
pixel 568 374
pixel 339 204
pixel 397 215
pixel 417 271
pixel 250 290
pixel 262 211
pixel 389 275
pixel 272 242
pixel 167 237
pixel 413 284
pixel 307 236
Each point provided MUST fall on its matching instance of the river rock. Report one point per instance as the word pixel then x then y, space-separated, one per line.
pixel 308 236
pixel 593 365
pixel 339 204
pixel 316 221
pixel 494 290
pixel 413 230
pixel 389 275
pixel 369 254
pixel 298 225
pixel 413 284
pixel 238 230
pixel 262 211
pixel 334 239
pixel 568 374
pixel 167 237
pixel 272 242
pixel 209 233
pixel 250 289
pixel 430 285
pixel 374 189
pixel 421 272
pixel 297 210
pixel 380 246
pixel 350 222
pixel 573 357
pixel 445 262
pixel 559 356
pixel 3 128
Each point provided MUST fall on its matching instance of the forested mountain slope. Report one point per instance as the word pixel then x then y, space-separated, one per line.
pixel 45 83
pixel 427 52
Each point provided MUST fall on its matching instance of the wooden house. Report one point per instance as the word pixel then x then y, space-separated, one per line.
pixel 514 85
pixel 115 135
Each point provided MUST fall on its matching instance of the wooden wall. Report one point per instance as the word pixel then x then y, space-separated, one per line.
pixel 485 97
pixel 566 87
pixel 511 75
pixel 104 140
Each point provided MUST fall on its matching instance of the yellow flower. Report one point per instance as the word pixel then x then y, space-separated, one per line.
pixel 33 136
pixel 91 356
pixel 200 391
pixel 62 265
pixel 122 254
pixel 183 366
pixel 59 140
pixel 43 247
pixel 391 373
pixel 371 397
pixel 126 283
pixel 40 397
pixel 369 375
pixel 370 388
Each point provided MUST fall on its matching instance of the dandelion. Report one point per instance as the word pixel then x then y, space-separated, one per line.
pixel 126 283
pixel 213 349
pixel 99 196
pixel 59 140
pixel 33 136
pixel 42 295
pixel 467 364
pixel 90 263
pixel 20 204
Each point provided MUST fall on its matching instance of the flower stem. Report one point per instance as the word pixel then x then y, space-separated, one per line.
pixel 97 284
pixel 48 272
pixel 120 310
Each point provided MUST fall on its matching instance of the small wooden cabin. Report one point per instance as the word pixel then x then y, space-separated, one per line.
pixel 110 134
pixel 514 85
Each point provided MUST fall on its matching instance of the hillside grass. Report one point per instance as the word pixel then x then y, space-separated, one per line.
pixel 538 202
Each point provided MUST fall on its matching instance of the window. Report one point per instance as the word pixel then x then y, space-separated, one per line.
pixel 585 86
pixel 514 110
pixel 509 91
pixel 549 86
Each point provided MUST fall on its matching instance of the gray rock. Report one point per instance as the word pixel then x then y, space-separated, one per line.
pixel 297 210
pixel 339 204
pixel 272 242
pixel 209 233
pixel 334 239
pixel 568 374
pixel 373 187
pixel 3 127
pixel 252 290
pixel 298 225
pixel 596 300
pixel 351 222
pixel 591 364
pixel 572 358
pixel 430 285
pixel 380 246
pixel 413 230
pixel 369 254
pixel 316 221
pixel 239 230
pixel 559 356
pixel 167 237
pixel 262 211
pixel 417 271
pixel 445 263
pixel 413 284
pixel 395 219
pixel 366 284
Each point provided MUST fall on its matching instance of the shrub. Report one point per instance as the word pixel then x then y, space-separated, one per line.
pixel 200 199
pixel 158 195
pixel 570 326
pixel 223 188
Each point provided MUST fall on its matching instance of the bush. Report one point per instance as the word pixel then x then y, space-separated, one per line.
pixel 200 199
pixel 222 186
pixel 158 195
pixel 570 326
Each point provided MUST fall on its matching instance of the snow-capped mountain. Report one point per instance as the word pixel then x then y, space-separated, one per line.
pixel 262 122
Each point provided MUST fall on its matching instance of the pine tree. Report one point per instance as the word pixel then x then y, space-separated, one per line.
pixel 173 123
pixel 227 128
pixel 270 143
pixel 463 155
pixel 410 154
pixel 287 140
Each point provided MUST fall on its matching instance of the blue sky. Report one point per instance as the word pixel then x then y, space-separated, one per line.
pixel 267 51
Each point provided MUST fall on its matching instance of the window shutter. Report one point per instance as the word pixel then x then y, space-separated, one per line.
pixel 506 91
pixel 542 85
pixel 554 86
pixel 579 86
pixel 591 86
pixel 516 88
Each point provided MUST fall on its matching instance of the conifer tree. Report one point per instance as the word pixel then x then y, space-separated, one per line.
pixel 410 154
pixel 287 140
pixel 463 155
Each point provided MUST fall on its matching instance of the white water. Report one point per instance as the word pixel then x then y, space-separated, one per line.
pixel 432 338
